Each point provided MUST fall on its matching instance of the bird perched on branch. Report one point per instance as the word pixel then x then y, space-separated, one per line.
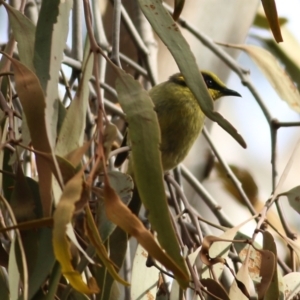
pixel 180 119
pixel 180 116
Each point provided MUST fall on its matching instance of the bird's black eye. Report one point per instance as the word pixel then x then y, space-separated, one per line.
pixel 209 82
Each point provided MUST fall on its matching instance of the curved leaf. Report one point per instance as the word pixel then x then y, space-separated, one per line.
pixel 276 75
pixel 62 217
pixel 50 42
pixel 34 105
pixel 72 131
pixel 170 34
pixel 145 138
pixel 271 14
pixel 24 33
pixel 120 214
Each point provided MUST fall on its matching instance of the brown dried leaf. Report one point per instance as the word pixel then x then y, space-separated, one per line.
pixel 271 14
pixel 120 214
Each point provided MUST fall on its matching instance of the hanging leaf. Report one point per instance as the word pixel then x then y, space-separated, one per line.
pixel 120 214
pixel 62 217
pixel 169 33
pixel 178 7
pixel 271 14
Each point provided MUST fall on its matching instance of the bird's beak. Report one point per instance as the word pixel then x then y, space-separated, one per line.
pixel 228 92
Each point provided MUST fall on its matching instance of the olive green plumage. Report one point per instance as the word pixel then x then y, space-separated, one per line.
pixel 180 116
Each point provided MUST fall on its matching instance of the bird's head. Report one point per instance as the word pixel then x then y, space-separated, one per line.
pixel 213 83
pixel 216 87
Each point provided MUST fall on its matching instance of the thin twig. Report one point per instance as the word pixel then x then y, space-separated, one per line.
pixel 229 172
pixel 116 33
pixel 207 198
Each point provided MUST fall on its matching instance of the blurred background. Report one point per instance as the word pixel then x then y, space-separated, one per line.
pixel 228 21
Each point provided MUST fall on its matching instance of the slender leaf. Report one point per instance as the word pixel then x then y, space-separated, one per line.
pixel 271 14
pixel 168 31
pixel 144 135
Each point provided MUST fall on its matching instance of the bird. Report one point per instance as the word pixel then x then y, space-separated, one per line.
pixel 180 119
pixel 179 115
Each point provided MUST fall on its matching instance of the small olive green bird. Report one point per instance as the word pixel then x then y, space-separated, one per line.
pixel 180 116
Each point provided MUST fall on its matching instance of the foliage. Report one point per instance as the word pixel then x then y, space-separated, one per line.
pixel 65 217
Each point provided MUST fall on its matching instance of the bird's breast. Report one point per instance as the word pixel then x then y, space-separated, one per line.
pixel 181 120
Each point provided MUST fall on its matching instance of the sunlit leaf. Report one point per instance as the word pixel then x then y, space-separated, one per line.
pixel 75 157
pixel 287 53
pixel 143 280
pixel 242 285
pixel 71 135
pixel 63 216
pixel 291 285
pixel 276 75
pixel 208 241
pixel 13 272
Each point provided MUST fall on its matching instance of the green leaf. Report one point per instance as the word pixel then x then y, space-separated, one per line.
pixel 53 282
pixel 262 22
pixel 168 31
pixel 50 42
pixel 72 130
pixel 44 261
pixel 144 135
pixel 24 33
